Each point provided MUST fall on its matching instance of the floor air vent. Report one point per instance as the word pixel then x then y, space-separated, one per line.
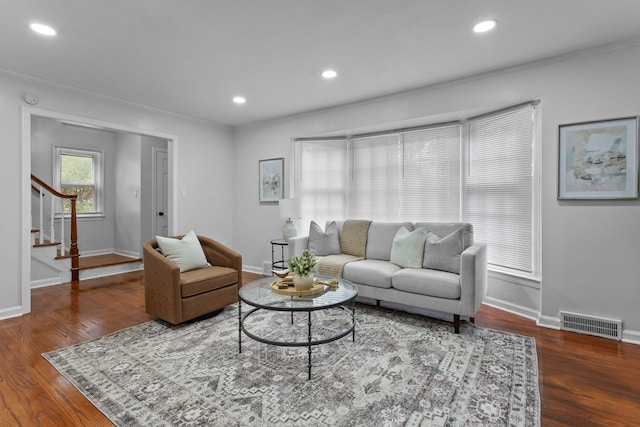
pixel 584 324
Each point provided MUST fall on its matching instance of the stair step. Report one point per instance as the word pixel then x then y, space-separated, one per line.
pixel 64 255
pixel 97 261
pixel 45 243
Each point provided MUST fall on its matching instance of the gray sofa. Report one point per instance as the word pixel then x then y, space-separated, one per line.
pixel 449 280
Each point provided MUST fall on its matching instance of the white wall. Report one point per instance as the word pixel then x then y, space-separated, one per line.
pixel 202 161
pixel 589 256
pixel 127 176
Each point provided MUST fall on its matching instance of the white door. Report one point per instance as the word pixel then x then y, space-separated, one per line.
pixel 161 205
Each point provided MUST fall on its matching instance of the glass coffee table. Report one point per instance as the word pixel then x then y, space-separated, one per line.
pixel 260 295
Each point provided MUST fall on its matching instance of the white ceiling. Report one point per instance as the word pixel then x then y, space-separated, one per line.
pixel 192 56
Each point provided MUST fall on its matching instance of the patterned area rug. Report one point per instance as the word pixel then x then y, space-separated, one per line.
pixel 402 370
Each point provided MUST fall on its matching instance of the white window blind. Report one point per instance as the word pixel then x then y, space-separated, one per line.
pixel 321 178
pixel 498 187
pixel 376 177
pixel 431 184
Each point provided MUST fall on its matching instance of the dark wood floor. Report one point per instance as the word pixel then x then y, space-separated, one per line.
pixel 584 381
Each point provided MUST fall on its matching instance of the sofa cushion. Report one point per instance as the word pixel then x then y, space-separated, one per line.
pixel 326 242
pixel 432 283
pixel 370 272
pixel 202 280
pixel 380 239
pixel 443 253
pixel 408 247
pixel 186 253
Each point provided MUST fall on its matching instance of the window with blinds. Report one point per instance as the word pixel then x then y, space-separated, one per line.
pixel 410 175
pixel 415 175
pixel 498 186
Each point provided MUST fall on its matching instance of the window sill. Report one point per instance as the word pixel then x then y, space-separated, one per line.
pixel 83 217
pixel 519 279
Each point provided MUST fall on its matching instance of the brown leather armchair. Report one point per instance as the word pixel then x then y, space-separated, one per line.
pixel 177 297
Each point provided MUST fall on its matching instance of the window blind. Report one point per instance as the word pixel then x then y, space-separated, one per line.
pixel 321 178
pixel 498 187
pixel 431 185
pixel 376 177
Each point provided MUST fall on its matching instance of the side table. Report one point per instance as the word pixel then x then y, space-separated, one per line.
pixel 278 263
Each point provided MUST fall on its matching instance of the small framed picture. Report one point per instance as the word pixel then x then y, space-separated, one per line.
pixel 598 160
pixel 271 180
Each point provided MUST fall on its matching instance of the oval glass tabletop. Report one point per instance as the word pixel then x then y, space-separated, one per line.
pixel 259 294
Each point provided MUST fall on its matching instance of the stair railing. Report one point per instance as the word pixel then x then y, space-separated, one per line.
pixel 41 187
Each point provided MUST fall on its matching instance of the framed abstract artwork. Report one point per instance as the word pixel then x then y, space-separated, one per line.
pixel 271 180
pixel 598 160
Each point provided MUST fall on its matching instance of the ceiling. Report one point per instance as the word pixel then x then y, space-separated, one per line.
pixel 192 57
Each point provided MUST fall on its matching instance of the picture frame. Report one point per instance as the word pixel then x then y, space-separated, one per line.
pixel 271 180
pixel 598 160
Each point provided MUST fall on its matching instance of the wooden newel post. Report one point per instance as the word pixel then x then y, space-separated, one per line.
pixel 73 248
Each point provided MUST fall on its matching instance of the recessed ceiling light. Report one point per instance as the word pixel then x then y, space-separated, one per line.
pixel 484 26
pixel 329 74
pixel 45 30
pixel 239 99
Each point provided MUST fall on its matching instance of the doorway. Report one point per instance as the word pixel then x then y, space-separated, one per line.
pixel 170 201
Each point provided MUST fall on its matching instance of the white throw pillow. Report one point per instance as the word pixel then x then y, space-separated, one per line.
pixel 186 253
pixel 408 247
pixel 324 243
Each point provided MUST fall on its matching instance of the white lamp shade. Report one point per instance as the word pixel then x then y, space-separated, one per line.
pixel 289 208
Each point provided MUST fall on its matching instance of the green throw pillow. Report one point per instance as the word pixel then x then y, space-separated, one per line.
pixel 186 253
pixel 444 253
pixel 408 247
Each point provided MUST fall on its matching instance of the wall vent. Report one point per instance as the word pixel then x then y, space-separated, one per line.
pixel 598 326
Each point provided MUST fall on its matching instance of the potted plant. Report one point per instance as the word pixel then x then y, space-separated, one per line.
pixel 302 268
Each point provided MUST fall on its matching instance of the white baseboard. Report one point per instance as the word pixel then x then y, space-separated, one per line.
pixel 630 336
pixel 130 254
pixel 511 308
pixel 8 313
pixel 50 281
pixel 97 252
pixel 550 322
pixel 252 269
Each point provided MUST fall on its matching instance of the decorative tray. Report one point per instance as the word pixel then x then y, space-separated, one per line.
pixel 282 287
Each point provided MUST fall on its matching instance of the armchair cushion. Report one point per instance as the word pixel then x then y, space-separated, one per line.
pixel 195 282
pixel 186 253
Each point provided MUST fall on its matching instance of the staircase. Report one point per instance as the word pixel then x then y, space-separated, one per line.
pixel 50 267
pixel 52 263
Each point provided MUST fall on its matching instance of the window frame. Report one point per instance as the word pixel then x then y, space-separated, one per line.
pixel 532 277
pixel 97 157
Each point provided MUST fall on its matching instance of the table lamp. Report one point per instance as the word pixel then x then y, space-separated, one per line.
pixel 289 210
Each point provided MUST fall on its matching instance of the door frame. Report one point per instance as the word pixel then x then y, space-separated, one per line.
pixel 27 114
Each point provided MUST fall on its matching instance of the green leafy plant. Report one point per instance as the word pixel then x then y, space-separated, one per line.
pixel 303 264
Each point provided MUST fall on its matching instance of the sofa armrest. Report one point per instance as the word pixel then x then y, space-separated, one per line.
pixel 221 255
pixel 297 245
pixel 473 278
